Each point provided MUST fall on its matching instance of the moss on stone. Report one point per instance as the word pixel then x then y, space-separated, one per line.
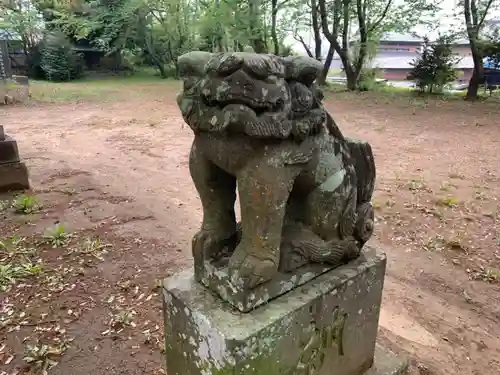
pixel 258 366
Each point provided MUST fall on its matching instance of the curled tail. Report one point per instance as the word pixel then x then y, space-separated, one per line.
pixel 362 157
pixel 364 164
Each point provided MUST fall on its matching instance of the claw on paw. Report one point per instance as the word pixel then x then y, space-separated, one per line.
pixel 207 245
pixel 248 271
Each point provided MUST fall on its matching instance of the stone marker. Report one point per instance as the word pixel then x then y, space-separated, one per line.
pixel 8 151
pixel 290 289
pixel 5 65
pixel 13 88
pixel 13 173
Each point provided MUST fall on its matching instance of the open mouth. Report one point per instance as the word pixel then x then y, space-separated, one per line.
pixel 260 108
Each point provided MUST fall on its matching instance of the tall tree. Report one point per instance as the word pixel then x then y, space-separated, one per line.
pixel 22 20
pixel 235 25
pixel 162 29
pixel 365 20
pixel 276 7
pixel 304 20
pixel 475 13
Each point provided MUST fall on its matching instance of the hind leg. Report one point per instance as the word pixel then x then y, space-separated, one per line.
pixel 331 214
pixel 330 208
pixel 301 246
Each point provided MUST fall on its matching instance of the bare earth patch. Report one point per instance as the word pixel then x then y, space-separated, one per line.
pixel 118 210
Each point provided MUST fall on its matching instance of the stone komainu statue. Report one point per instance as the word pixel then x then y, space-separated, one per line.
pixel 260 127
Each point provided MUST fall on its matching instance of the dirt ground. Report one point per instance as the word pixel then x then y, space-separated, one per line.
pixel 114 175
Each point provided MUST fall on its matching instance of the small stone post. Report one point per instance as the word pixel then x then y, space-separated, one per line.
pixel 13 172
pixel 5 66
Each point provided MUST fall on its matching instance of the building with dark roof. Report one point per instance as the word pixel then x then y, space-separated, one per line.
pixel 396 52
pixel 396 42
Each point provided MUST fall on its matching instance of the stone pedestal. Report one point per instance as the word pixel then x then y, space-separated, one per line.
pixel 13 173
pixel 327 326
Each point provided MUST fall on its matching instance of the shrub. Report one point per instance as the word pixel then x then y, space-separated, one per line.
pixel 367 80
pixel 34 62
pixel 434 68
pixel 59 61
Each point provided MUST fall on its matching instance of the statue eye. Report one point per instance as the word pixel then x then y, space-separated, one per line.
pixel 307 78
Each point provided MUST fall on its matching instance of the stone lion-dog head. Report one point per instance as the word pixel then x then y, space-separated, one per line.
pixel 263 96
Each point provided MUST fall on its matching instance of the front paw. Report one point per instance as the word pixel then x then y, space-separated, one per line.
pixel 249 270
pixel 207 245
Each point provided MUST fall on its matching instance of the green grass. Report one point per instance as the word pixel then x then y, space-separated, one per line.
pixel 102 88
pixel 334 72
pixel 25 204
pixel 391 92
pixel 147 85
pixel 410 97
pixel 388 89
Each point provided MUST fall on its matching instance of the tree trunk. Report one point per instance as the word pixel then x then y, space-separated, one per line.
pixel 219 41
pixel 363 37
pixel 157 61
pixel 474 20
pixel 316 31
pixel 274 34
pixel 477 75
pixel 352 81
pixel 161 68
pixel 257 37
pixel 304 44
pixel 351 75
pixel 341 17
pixel 326 65
pixel 259 46
pixel 473 88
